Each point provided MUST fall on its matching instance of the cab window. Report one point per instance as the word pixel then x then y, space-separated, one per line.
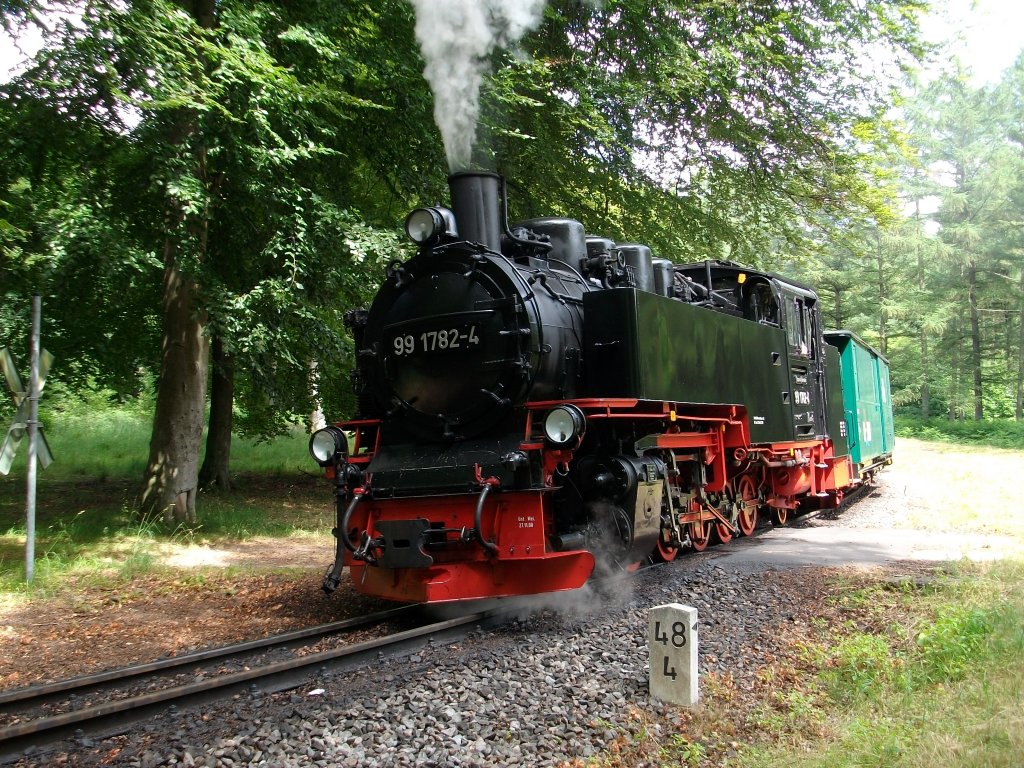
pixel 761 305
pixel 796 325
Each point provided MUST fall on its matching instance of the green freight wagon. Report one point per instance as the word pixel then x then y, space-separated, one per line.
pixel 867 401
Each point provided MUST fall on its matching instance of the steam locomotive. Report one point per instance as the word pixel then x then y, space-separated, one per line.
pixel 536 403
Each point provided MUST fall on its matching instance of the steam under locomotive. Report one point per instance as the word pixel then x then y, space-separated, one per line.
pixel 535 403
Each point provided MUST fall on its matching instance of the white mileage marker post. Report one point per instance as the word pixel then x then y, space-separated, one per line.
pixel 672 641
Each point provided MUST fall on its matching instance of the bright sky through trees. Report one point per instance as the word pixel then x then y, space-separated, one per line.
pixel 986 35
pixel 14 51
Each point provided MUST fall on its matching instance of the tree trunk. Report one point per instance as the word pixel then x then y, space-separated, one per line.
pixel 883 315
pixel 1019 412
pixel 926 394
pixel 954 379
pixel 972 300
pixel 172 472
pixel 316 418
pixel 171 477
pixel 1008 339
pixel 216 469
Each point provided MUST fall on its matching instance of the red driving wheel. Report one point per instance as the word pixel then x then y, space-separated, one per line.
pixel 700 535
pixel 666 551
pixel 723 531
pixel 746 494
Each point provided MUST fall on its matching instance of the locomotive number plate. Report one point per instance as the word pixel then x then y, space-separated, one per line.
pixel 454 339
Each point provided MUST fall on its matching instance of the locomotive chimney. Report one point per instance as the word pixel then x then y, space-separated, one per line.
pixel 475 203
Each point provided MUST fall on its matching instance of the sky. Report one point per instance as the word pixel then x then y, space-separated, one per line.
pixel 991 33
pixel 987 35
pixel 10 55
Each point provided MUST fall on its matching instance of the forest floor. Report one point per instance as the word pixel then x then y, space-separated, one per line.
pixel 199 596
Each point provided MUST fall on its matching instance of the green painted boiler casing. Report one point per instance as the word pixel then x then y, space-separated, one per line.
pixel 646 346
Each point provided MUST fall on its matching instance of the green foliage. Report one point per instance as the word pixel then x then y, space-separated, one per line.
pixel 954 642
pixel 863 666
pixel 1000 434
pixel 704 129
pixel 940 292
pixel 952 300
pixel 268 153
pixel 277 97
pixel 939 684
pixel 683 751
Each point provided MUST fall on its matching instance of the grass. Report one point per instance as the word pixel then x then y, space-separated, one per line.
pixel 924 471
pixel 911 675
pixel 908 673
pixel 898 675
pixel 85 519
pixel 113 444
pixel 1002 433
pixel 940 681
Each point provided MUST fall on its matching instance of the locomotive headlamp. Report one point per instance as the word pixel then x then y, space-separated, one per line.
pixel 564 425
pixel 425 226
pixel 328 446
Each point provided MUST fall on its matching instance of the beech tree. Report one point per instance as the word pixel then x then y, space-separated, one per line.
pixel 228 166
pixel 70 191
pixel 272 151
pixel 250 163
pixel 703 128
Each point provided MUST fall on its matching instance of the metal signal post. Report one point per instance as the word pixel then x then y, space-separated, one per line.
pixel 26 420
pixel 33 442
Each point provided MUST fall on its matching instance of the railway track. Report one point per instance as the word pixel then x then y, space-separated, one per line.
pixel 108 703
pixel 38 718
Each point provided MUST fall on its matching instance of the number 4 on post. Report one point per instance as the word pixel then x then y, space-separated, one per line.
pixel 669 671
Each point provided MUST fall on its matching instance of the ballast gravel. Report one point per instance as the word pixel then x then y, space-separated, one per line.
pixel 557 684
pixel 562 682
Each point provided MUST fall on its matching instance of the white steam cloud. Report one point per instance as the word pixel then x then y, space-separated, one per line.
pixel 456 37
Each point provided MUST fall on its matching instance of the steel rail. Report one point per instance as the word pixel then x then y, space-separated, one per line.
pixel 116 716
pixel 41 694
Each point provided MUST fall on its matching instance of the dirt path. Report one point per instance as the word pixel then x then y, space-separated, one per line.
pixel 936 502
pixel 202 596
pixel 260 553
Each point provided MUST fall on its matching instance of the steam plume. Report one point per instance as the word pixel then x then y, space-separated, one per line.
pixel 456 37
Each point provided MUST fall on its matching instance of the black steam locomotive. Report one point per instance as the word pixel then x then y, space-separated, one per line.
pixel 535 403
